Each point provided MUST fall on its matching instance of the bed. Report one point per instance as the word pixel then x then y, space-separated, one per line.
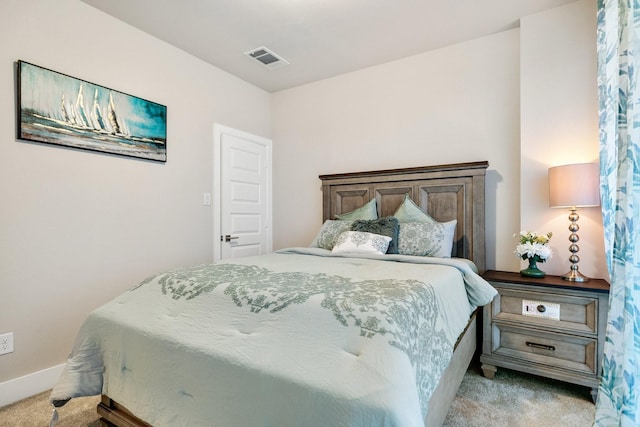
pixel 302 336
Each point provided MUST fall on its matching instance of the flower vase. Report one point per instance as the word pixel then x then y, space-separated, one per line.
pixel 533 270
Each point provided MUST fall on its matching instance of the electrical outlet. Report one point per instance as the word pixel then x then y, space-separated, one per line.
pixel 6 343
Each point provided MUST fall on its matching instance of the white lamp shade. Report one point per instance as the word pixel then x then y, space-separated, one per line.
pixel 574 185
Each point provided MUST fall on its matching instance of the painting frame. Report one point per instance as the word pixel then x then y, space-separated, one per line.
pixel 57 109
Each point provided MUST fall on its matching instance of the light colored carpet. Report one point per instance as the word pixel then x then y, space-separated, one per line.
pixel 512 399
pixel 36 411
pixel 517 399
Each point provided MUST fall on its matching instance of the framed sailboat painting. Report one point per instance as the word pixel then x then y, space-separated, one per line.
pixel 58 109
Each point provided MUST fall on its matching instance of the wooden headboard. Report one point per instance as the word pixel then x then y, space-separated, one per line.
pixel 445 192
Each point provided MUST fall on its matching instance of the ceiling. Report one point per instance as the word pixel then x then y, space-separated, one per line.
pixel 319 38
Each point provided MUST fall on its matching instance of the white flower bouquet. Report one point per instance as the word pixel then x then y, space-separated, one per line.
pixel 533 245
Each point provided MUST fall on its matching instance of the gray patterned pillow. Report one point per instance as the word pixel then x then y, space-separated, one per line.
pixel 331 229
pixel 360 242
pixel 426 239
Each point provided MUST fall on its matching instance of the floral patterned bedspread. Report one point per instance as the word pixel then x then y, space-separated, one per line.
pixel 296 337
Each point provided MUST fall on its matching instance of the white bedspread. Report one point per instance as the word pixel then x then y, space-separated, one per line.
pixel 293 338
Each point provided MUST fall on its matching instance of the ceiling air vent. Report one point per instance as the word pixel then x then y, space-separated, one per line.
pixel 266 57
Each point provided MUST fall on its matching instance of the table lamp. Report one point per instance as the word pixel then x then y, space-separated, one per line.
pixel 574 186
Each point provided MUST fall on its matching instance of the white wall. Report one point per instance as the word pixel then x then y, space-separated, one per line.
pixel 457 104
pixel 559 121
pixel 78 227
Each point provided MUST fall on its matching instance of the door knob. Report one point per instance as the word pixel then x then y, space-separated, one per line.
pixel 228 238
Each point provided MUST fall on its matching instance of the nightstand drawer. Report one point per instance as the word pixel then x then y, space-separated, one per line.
pixel 557 350
pixel 574 314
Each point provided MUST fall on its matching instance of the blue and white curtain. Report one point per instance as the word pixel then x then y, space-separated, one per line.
pixel 619 116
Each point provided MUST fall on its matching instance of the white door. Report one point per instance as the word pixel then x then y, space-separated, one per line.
pixel 242 188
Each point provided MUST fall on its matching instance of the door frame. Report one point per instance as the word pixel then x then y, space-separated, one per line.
pixel 218 131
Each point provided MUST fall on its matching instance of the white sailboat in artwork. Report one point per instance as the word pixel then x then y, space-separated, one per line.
pixel 63 110
pixel 97 114
pixel 81 114
pixel 113 118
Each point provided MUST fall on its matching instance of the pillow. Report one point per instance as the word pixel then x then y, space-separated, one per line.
pixel 359 242
pixel 408 211
pixel 368 211
pixel 387 226
pixel 426 239
pixel 329 232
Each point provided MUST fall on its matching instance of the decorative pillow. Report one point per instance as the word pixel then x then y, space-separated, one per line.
pixel 368 211
pixel 387 226
pixel 331 229
pixel 426 239
pixel 359 242
pixel 408 211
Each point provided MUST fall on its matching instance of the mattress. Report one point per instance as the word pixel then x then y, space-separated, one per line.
pixel 295 337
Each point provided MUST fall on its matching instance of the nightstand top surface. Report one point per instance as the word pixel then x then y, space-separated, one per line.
pixel 595 285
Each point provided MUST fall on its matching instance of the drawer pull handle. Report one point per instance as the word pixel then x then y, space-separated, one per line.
pixel 542 346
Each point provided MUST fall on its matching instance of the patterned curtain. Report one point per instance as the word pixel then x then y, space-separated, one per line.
pixel 619 117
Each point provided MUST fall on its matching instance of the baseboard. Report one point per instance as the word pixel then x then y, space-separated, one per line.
pixel 19 388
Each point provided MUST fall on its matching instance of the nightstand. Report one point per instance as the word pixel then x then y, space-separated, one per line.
pixel 549 326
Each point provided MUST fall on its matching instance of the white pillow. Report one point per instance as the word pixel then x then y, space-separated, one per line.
pixel 361 242
pixel 426 239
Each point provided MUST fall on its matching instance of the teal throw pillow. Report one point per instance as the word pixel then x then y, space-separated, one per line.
pixel 367 212
pixel 410 212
